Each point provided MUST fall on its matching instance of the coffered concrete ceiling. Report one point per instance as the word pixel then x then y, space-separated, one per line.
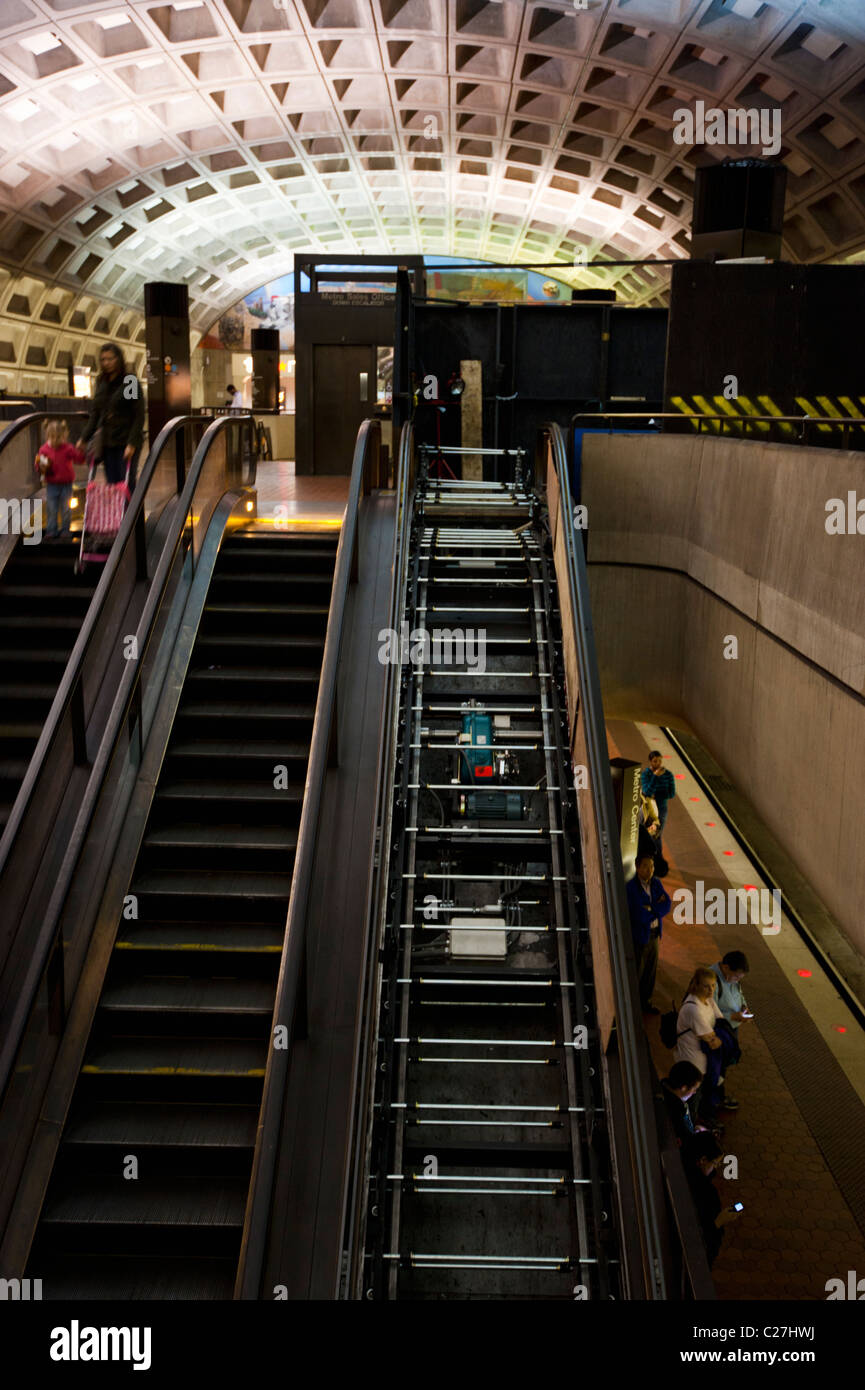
pixel 206 140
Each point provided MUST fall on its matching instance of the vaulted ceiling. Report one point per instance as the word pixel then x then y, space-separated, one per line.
pixel 206 140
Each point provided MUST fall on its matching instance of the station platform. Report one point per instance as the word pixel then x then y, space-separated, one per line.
pixel 799 1134
pixel 287 502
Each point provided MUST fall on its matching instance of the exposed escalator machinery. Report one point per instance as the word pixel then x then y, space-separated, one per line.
pixel 174 1067
pixel 489 1172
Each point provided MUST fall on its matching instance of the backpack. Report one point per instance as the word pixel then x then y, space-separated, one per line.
pixel 670 1034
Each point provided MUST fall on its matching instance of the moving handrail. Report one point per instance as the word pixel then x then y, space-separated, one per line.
pixel 645 1167
pixel 290 1004
pixel 353 1207
pixel 36 1018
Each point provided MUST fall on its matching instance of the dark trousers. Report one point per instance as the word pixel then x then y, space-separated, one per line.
pixel 647 969
pixel 115 465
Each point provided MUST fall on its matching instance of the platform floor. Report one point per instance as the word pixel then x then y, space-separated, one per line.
pixel 286 501
pixel 800 1133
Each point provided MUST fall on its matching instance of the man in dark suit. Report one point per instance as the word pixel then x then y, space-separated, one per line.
pixel 648 905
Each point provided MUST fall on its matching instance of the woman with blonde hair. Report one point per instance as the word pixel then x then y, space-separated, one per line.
pixel 697 1040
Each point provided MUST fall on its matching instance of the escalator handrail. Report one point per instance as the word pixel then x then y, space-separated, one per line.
pixel 292 963
pixel 641 1123
pixel 13 427
pixel 73 673
pixel 115 722
pixel 376 903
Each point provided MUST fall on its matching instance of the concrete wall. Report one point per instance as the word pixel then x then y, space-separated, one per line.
pixel 692 541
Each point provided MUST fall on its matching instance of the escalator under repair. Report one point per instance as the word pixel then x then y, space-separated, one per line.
pixel 174 1067
pixel 489 1159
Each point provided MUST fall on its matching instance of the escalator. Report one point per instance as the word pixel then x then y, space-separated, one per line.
pixel 42 606
pixel 149 1187
pixel 490 1172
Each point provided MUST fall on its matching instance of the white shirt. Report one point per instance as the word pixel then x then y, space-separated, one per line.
pixel 697 1016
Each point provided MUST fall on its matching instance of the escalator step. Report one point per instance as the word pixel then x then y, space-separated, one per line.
pixel 101 1277
pixel 223 790
pixel 193 1201
pixel 148 1125
pixel 215 885
pixel 219 837
pixel 205 937
pixel 176 1057
pixel 195 937
pixel 170 994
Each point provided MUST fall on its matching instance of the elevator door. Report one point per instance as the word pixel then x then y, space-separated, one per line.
pixel 344 384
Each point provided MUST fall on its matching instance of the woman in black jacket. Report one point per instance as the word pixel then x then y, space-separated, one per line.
pixel 117 409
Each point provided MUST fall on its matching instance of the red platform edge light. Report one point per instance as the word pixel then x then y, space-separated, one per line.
pixel 711 824
pixel 693 798
pixel 679 776
pixel 750 887
pixel 729 853
pixel 839 1028
pixel 806 974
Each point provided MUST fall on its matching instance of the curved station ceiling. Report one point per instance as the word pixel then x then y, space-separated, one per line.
pixel 207 140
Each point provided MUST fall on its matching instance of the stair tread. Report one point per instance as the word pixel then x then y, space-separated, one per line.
pixel 149 1123
pixel 274 675
pixel 226 709
pixel 214 883
pixel 220 937
pixel 169 1056
pixel 222 836
pixel 139 1277
pixel 63 591
pixel 149 994
pixel 277 609
pixel 238 748
pixel 228 791
pixel 179 1201
pixel 30 690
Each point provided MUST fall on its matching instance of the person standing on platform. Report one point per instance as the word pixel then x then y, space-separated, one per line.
pixel 648 905
pixel 657 782
pixel 677 1090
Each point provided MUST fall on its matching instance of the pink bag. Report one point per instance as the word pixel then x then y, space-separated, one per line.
pixel 106 503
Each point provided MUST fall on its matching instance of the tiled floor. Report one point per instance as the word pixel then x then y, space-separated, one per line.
pixel 286 501
pixel 797 1229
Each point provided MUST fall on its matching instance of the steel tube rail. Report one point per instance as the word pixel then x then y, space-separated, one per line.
pixel 291 982
pixel 640 1119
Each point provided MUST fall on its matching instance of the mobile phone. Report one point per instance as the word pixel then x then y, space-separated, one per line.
pixel 746 1013
pixel 738 1206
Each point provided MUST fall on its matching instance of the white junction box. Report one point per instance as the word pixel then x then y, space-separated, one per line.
pixel 484 937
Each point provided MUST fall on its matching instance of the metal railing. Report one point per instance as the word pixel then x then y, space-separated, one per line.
pixel 748 426
pixel 43 974
pixel 363 1070
pixel 290 1007
pixel 649 1178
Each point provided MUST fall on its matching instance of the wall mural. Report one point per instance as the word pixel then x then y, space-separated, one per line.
pixel 272 305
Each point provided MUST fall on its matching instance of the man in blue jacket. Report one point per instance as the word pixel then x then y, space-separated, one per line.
pixel 648 905
pixel 657 782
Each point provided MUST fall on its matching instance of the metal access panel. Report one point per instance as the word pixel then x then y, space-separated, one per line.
pixel 482 945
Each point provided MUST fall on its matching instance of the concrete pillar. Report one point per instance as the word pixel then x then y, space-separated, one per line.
pixel 166 325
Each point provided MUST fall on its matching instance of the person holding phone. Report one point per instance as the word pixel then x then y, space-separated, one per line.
pixel 702 1158
pixel 699 1042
